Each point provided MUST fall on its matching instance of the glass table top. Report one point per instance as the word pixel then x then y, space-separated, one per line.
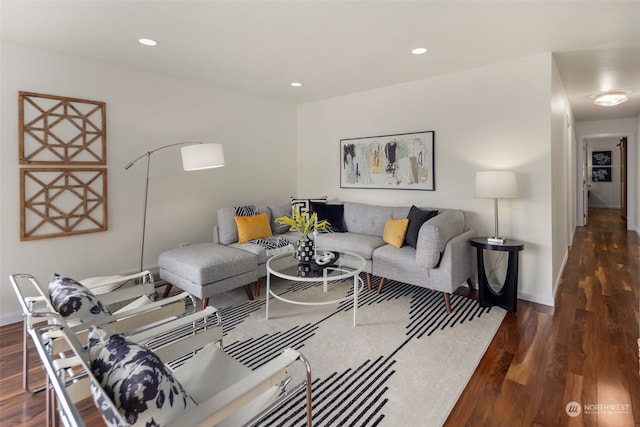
pixel 345 265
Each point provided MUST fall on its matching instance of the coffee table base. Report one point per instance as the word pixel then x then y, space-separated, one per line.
pixel 357 280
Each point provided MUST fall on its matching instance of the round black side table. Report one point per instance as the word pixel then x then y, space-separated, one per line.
pixel 507 297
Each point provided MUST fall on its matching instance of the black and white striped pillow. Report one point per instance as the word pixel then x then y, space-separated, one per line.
pixel 248 210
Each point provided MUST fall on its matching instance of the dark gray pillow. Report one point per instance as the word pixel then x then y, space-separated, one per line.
pixel 332 213
pixel 416 217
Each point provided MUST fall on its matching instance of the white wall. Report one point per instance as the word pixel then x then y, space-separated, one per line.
pixel 495 117
pixel 615 129
pixel 562 179
pixel 144 111
pixel 604 194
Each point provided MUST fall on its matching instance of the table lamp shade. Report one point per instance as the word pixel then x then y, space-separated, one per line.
pixel 202 156
pixel 496 184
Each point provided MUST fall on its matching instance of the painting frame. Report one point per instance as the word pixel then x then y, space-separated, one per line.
pixel 601 158
pixel 601 174
pixel 403 161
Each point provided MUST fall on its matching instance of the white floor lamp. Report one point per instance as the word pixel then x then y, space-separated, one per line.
pixel 496 185
pixel 195 156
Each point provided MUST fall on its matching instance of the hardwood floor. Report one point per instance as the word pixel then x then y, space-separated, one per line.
pixel 541 359
pixel 584 351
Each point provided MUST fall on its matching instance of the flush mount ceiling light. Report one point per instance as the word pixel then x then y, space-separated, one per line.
pixel 611 98
pixel 147 42
pixel 419 50
pixel 296 84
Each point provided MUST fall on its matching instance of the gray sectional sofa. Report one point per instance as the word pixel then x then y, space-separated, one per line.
pixel 441 259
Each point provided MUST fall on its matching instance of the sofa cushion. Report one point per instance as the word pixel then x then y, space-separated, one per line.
pixel 366 219
pixel 135 379
pixel 394 231
pixel 416 217
pixel 334 213
pixel 277 210
pixel 361 244
pixel 434 235
pixel 253 227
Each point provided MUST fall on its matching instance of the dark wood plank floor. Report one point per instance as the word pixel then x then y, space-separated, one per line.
pixel 585 350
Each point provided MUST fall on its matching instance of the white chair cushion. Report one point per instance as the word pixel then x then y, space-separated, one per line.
pixel 210 371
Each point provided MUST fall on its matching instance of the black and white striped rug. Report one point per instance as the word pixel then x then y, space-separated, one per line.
pixel 404 364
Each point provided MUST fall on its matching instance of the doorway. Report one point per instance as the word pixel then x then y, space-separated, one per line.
pixel 622 145
pixel 625 195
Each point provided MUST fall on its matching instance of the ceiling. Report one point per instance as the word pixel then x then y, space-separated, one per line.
pixel 340 47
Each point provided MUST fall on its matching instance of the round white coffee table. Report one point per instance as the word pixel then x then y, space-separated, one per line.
pixel 348 265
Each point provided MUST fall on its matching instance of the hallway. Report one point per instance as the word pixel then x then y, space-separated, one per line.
pixel 583 351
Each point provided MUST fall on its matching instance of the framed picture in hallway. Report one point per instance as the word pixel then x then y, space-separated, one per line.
pixel 402 161
pixel 601 174
pixel 601 158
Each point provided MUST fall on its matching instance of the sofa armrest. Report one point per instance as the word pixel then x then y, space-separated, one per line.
pixel 434 236
pixel 458 257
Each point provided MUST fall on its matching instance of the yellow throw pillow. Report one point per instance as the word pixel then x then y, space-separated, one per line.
pixel 394 231
pixel 253 227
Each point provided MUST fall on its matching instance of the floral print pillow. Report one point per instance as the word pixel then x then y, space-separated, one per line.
pixel 135 379
pixel 72 299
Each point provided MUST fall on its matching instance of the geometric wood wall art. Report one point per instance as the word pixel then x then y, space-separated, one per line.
pixel 56 130
pixel 59 202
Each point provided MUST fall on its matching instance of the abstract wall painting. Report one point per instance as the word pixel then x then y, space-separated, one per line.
pixel 402 161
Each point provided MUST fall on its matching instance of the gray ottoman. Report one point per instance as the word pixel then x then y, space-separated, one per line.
pixel 208 269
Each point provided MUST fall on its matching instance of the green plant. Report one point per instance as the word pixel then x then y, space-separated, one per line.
pixel 304 224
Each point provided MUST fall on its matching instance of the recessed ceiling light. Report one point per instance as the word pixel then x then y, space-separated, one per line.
pixel 419 50
pixel 296 84
pixel 148 42
pixel 611 98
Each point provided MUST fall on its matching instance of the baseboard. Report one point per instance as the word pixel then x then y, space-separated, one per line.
pixel 538 299
pixel 9 318
pixel 556 284
pixel 605 206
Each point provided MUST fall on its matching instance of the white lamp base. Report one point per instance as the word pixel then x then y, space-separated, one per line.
pixel 496 240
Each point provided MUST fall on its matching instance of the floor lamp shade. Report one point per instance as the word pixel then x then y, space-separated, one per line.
pixel 202 156
pixel 496 185
pixel 195 156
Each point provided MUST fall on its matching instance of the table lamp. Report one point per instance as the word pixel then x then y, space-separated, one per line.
pixel 496 185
